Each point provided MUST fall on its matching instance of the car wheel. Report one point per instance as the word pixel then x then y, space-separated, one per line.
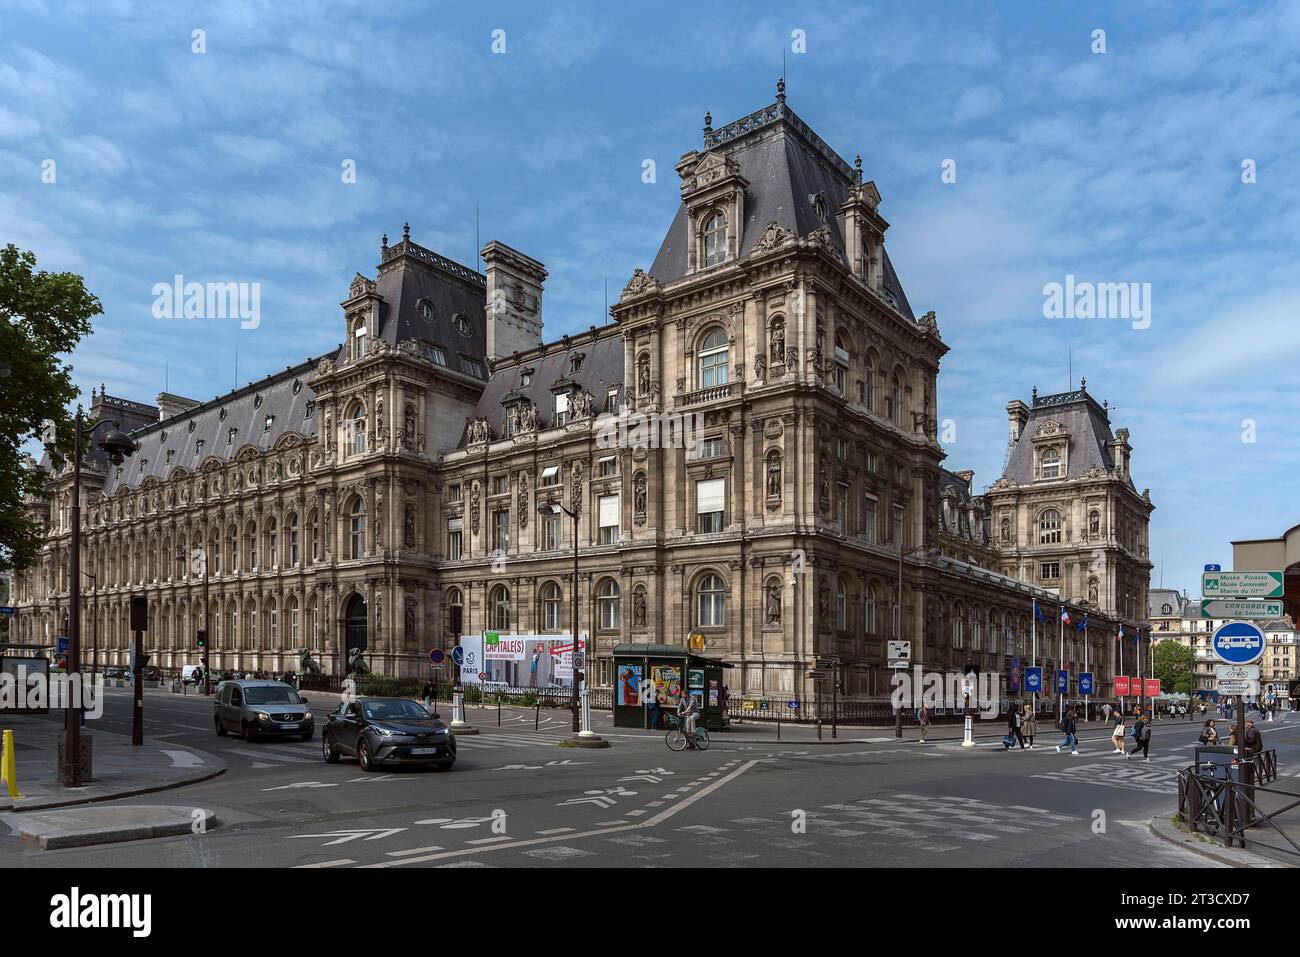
pixel 327 750
pixel 250 732
pixel 221 728
pixel 363 755
pixel 445 765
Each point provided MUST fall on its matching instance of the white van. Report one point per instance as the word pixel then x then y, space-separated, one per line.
pixel 190 674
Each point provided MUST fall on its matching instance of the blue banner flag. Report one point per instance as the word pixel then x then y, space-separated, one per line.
pixel 1038 612
pixel 1083 624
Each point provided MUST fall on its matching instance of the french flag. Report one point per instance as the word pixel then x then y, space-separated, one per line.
pixel 1065 615
pixel 1120 636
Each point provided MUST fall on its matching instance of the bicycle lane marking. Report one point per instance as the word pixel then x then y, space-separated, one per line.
pixel 572 836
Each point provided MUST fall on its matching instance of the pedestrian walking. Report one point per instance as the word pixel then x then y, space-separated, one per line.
pixel 1068 727
pixel 1253 740
pixel 1105 710
pixel 923 720
pixel 1029 725
pixel 1117 733
pixel 1141 738
pixel 1209 734
pixel 427 695
pixel 1013 729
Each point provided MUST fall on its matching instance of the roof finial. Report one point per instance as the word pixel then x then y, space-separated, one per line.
pixel 406 232
pixel 383 241
pixel 1035 395
pixel 780 89
pixel 1083 383
pixel 708 121
pixel 857 167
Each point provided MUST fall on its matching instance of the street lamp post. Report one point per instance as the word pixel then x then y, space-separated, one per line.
pixel 898 618
pixel 583 737
pixel 72 770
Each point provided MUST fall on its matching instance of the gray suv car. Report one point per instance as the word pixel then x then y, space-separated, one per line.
pixel 255 708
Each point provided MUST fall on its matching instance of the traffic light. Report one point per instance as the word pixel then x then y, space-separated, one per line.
pixel 201 639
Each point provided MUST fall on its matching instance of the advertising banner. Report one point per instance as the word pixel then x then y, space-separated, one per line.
pixel 1121 685
pixel 520 661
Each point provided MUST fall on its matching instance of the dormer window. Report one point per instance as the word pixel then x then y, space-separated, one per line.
pixel 525 378
pixel 426 310
pixel 575 361
pixel 561 409
pixel 1050 464
pixel 230 435
pixel 267 426
pixel 359 333
pixel 461 323
pixel 715 239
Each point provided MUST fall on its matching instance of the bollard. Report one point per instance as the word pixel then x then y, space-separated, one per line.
pixel 819 729
pixel 8 771
pixel 537 713
pixel 499 709
pixel 778 727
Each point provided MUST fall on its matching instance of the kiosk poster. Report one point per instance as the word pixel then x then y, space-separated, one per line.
pixel 629 685
pixel 695 679
pixel 669 682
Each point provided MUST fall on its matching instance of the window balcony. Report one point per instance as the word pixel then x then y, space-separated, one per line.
pixel 706 395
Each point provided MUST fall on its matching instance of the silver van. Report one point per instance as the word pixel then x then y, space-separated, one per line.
pixel 256 708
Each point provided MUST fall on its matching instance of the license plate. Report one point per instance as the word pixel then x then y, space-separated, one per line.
pixel 288 727
pixel 424 750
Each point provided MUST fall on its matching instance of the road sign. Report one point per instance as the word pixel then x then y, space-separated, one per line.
pixel 1033 681
pixel 437 656
pixel 64 645
pixel 1224 673
pixel 1258 609
pixel 1246 689
pixel 899 654
pixel 1121 685
pixel 579 660
pixel 815 675
pixel 793 705
pixel 7 609
pixel 491 638
pixel 1214 568
pixel 482 676
pixel 1237 642
pixel 1242 584
pixel 1085 683
pixel 458 655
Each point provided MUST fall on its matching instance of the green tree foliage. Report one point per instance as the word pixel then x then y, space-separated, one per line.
pixel 1174 664
pixel 42 318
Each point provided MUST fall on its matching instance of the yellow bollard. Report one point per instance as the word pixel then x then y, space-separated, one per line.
pixel 8 774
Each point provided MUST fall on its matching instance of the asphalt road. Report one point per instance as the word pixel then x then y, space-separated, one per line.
pixel 515 798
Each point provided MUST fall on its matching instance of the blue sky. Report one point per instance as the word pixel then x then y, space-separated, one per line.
pixel 1124 166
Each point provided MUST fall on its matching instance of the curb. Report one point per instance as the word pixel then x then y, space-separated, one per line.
pixel 182 824
pixel 49 805
pixel 1208 848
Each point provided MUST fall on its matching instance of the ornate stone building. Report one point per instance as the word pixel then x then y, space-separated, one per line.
pixel 773 469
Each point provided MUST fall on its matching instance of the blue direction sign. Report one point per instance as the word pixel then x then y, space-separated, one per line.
pixel 1033 681
pixel 1214 568
pixel 458 655
pixel 1238 642
pixel 794 705
pixel 7 609
pixel 1085 682
pixel 1063 681
pixel 64 645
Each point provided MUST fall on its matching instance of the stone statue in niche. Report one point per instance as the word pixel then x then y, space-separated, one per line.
pixel 643 376
pixel 528 417
pixel 774 476
pixel 638 495
pixel 639 608
pixel 824 481
pixel 408 435
pixel 773 612
pixel 408 528
pixel 1006 530
pixel 778 341
pixel 409 620
pixel 1094 525
pixel 1092 592
pixel 581 404
pixel 523 499
pixel 576 498
pixel 379 615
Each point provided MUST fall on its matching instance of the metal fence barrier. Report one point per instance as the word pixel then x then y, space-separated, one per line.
pixel 1221 798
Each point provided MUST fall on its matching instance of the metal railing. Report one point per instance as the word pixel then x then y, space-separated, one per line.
pixel 1225 803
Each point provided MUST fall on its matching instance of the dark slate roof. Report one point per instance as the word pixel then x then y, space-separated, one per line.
pixel 953 485
pixel 602 370
pixel 284 395
pixel 1157 597
pixel 788 166
pixel 1087 423
pixel 408 274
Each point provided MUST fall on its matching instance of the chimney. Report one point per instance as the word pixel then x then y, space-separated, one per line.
pixel 1120 451
pixel 514 300
pixel 1018 413
pixel 170 405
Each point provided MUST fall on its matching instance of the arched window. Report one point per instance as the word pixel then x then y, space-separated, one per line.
pixel 292 523
pixel 869 382
pixel 958 616
pixel 841 364
pixel 715 239
pixel 976 632
pixel 608 605
pixel 359 338
pixel 358 429
pixel 896 401
pixel 712 602
pixel 357 530
pixel 295 625
pixel 313 531
pixel 1049 527
pixel 455 612
pixel 869 611
pixel 841 606
pixel 1050 464
pixel 272 541
pixel 250 536
pixel 714 360
pixel 499 608
pixel 552 607
pixel 272 624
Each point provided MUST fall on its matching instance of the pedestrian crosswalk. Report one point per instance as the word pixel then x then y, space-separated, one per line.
pixel 275 754
pixel 506 740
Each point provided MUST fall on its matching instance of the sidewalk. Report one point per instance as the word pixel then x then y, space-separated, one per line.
pixel 118 770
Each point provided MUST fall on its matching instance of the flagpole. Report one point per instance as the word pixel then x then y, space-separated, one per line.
pixel 1033 631
pixel 1085 663
pixel 1123 700
pixel 1060 666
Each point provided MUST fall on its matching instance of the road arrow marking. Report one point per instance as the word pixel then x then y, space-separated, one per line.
pixel 300 784
pixel 342 837
pixel 183 759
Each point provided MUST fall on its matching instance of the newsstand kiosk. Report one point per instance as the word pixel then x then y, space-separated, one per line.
pixel 674 671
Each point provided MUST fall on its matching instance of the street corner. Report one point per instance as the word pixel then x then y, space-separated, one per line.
pixel 1175 832
pixel 110 824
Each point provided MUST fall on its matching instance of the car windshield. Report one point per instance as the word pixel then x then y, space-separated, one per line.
pixel 271 694
pixel 390 709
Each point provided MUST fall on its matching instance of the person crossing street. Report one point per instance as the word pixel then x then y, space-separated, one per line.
pixel 1069 728
pixel 1141 738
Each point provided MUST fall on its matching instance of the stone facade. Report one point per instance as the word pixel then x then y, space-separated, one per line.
pixel 750 447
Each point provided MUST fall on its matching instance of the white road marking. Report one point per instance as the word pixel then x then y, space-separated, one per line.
pixel 183 759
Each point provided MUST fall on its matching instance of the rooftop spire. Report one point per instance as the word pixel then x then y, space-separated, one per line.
pixel 406 232
pixel 708 121
pixel 780 89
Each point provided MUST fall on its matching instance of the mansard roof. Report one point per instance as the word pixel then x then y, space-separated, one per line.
pixel 788 167
pixel 1085 421
pixel 285 396
pixel 1157 598
pixel 601 370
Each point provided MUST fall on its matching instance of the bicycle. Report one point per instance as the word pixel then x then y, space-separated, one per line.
pixel 676 737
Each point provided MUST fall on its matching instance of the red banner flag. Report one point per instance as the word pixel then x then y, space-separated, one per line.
pixel 1121 685
pixel 1153 687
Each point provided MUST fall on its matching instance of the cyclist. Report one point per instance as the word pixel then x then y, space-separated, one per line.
pixel 688 709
